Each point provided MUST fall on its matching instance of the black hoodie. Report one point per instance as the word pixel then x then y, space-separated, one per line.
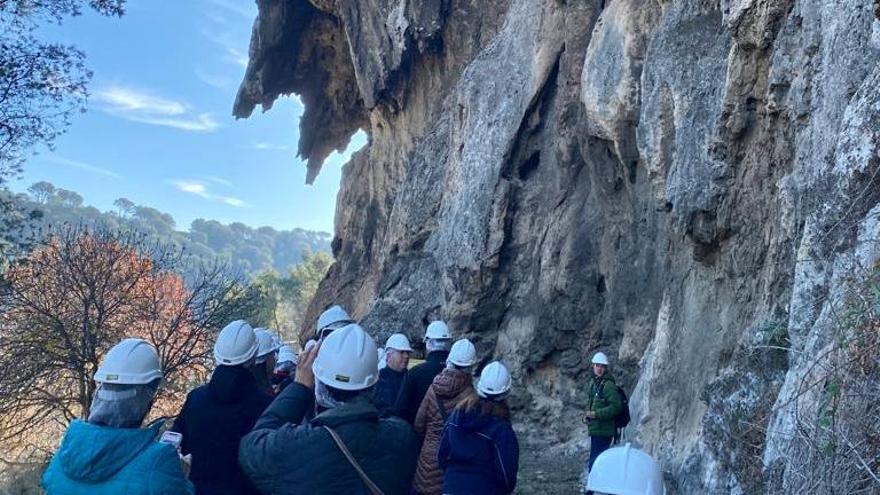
pixel 214 418
pixel 415 385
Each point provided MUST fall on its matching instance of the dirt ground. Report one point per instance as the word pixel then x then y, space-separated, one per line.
pixel 548 474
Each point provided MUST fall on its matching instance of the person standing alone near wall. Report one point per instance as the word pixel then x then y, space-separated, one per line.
pixel 604 405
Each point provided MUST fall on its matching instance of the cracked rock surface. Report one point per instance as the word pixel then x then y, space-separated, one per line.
pixel 682 184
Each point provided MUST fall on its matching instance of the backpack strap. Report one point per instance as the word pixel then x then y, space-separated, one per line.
pixel 498 458
pixel 374 489
pixel 440 408
pixel 599 387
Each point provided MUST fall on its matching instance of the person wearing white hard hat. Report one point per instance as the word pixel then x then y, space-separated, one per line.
pixel 348 448
pixel 285 368
pixel 332 318
pixel 110 453
pixel 624 471
pixel 216 415
pixel 438 340
pixel 479 451
pixel 449 387
pixel 396 355
pixel 604 404
pixel 266 357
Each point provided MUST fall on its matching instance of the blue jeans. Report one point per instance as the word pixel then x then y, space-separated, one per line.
pixel 597 446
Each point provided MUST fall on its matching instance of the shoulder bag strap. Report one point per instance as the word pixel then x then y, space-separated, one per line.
pixel 374 490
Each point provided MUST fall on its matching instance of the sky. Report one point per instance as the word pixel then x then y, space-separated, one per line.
pixel 159 128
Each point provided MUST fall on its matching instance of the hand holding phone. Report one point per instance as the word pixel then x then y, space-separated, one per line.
pixel 172 438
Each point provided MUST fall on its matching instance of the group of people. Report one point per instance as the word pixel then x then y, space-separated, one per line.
pixel 331 420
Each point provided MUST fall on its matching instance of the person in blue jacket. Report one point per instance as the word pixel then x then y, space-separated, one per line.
pixel 479 452
pixel 109 453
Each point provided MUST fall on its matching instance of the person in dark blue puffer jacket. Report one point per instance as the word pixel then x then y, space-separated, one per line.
pixel 479 452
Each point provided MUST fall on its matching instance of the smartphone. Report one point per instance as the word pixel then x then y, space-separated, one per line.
pixel 171 438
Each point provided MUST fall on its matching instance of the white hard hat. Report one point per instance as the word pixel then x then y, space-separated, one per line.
pixel 494 380
pixel 333 316
pixel 236 344
pixel 462 353
pixel 398 342
pixel 600 358
pixel 267 343
pixel 437 330
pixel 285 353
pixel 347 359
pixel 130 362
pixel 626 471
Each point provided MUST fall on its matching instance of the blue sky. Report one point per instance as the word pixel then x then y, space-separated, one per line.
pixel 159 129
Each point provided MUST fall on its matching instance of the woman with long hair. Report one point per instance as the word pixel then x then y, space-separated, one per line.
pixel 479 452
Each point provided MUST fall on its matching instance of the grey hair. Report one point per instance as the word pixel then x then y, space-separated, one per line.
pixel 465 369
pixel 328 397
pixel 122 406
pixel 433 345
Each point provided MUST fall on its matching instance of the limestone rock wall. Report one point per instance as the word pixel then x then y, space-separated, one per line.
pixel 683 184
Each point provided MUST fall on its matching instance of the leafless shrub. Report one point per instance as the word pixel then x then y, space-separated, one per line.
pixel 78 294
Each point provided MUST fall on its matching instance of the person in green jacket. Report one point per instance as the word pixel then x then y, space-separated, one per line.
pixel 110 453
pixel 604 405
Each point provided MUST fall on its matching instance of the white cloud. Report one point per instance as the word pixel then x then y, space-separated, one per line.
pixel 264 146
pixel 218 180
pixel 201 190
pixel 130 100
pixel 244 9
pixel 204 122
pixel 237 56
pixel 215 80
pixel 82 166
pixel 192 187
pixel 144 107
pixel 234 47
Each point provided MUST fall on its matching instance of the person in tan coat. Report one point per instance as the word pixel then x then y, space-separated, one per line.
pixel 448 388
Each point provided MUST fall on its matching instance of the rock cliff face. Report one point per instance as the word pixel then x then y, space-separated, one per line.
pixel 688 185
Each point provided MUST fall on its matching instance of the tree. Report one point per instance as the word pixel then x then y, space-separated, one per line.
pixel 125 206
pixel 16 220
pixel 283 301
pixel 68 198
pixel 80 293
pixel 160 222
pixel 42 191
pixel 41 84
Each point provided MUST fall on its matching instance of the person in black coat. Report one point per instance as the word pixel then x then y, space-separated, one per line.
pixel 438 341
pixel 283 455
pixel 216 415
pixel 391 377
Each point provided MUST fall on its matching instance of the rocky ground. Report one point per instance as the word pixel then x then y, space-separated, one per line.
pixel 542 471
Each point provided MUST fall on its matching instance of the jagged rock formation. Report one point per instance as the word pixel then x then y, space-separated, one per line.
pixel 687 184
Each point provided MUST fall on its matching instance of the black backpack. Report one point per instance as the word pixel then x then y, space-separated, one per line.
pixel 623 418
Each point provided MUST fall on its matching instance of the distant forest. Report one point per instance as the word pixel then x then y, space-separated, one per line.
pixel 251 250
